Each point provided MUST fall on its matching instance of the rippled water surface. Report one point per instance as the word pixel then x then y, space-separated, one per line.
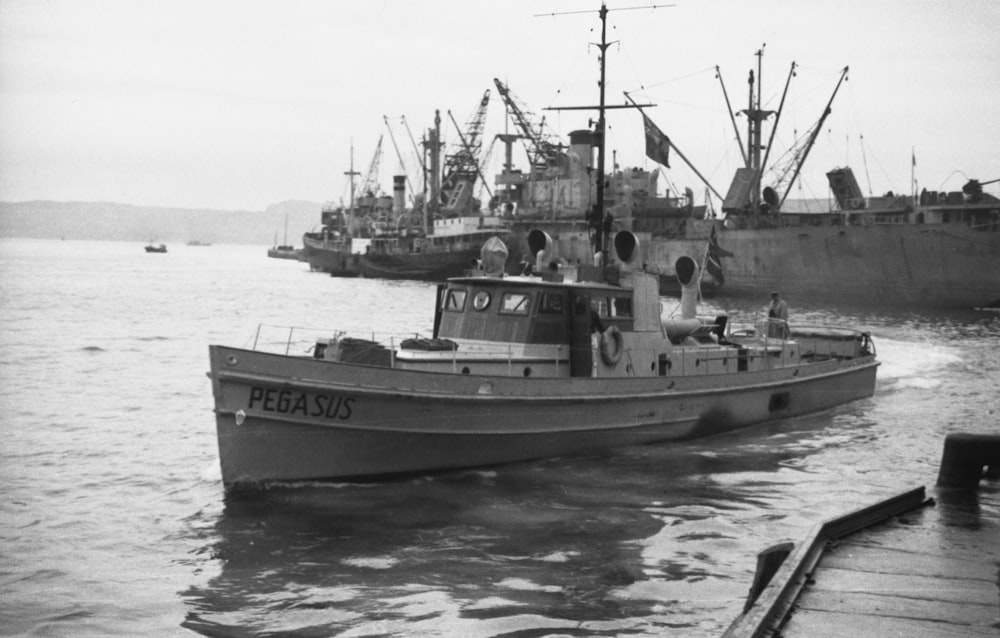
pixel 113 519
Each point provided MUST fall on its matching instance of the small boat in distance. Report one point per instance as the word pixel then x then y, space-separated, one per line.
pixel 284 251
pixel 567 359
pixel 150 248
pixel 198 242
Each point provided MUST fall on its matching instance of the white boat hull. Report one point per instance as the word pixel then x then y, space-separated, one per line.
pixel 285 418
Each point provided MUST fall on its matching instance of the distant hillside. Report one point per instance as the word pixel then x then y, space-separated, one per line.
pixel 124 222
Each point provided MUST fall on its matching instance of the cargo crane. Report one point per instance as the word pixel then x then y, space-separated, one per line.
pixel 543 154
pixel 370 185
pixel 461 166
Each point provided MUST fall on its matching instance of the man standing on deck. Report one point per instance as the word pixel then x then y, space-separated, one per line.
pixel 777 317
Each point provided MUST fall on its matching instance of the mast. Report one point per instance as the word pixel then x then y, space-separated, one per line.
pixel 351 175
pixel 597 214
pixel 432 146
pixel 755 122
pixel 601 224
pixel 815 133
pixel 597 221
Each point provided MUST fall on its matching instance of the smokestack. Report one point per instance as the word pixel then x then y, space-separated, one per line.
pixel 398 193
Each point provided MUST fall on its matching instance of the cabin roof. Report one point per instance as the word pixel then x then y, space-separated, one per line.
pixel 521 281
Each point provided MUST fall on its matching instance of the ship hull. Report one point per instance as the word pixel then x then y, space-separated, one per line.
pixel 333 257
pixel 280 253
pixel 429 266
pixel 912 265
pixel 283 418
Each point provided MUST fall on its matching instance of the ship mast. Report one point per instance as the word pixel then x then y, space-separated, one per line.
pixel 755 122
pixel 597 220
pixel 597 211
pixel 351 174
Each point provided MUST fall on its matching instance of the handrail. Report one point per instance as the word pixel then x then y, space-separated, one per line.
pixel 756 344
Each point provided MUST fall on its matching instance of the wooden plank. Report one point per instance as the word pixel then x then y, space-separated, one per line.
pixel 824 624
pixel 923 529
pixel 897 607
pixel 889 560
pixel 926 588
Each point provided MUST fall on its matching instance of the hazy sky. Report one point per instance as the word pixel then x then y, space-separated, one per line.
pixel 237 104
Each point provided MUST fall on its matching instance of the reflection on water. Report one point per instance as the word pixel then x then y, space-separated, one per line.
pixel 647 538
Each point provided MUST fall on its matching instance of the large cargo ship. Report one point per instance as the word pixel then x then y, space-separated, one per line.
pixel 936 250
pixel 933 250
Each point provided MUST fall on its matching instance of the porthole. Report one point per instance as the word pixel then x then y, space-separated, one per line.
pixel 527 372
pixel 481 300
pixel 465 370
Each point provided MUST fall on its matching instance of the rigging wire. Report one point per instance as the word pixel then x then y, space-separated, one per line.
pixel 864 161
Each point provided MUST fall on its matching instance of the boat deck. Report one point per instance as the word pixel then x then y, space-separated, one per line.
pixel 908 566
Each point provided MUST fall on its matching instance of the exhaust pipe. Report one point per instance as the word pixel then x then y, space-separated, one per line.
pixel 688 274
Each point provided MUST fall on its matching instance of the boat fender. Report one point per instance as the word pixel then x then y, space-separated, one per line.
pixel 612 346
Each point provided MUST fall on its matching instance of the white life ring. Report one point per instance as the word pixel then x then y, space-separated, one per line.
pixel 612 346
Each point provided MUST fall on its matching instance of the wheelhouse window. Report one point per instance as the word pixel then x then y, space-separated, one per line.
pixel 516 303
pixel 612 307
pixel 550 304
pixel 455 299
pixel 621 307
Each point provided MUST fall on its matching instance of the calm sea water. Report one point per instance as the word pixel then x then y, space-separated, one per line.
pixel 113 520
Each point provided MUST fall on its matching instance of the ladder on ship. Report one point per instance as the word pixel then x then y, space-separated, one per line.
pixel 456 195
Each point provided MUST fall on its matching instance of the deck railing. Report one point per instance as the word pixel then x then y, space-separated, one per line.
pixel 756 342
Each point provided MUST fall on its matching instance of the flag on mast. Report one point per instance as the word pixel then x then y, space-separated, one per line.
pixel 657 143
pixel 713 258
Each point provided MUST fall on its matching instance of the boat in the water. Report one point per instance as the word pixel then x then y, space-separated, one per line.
pixel 453 246
pixel 571 358
pixel 284 250
pixel 156 248
pixel 198 242
pixel 344 230
pixel 445 229
pixel 332 248
pixel 938 250
pixel 932 249
pixel 435 237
